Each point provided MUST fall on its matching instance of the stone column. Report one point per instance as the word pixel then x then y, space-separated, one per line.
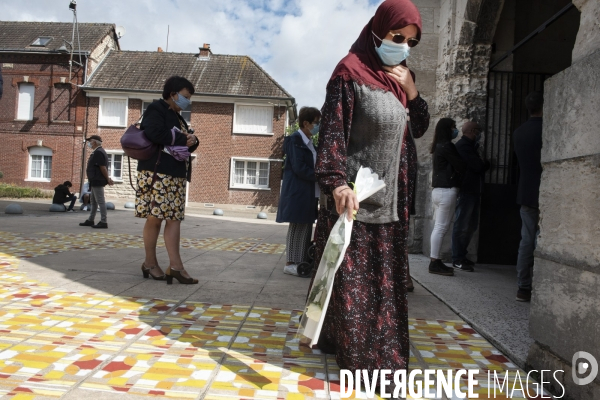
pixel 565 309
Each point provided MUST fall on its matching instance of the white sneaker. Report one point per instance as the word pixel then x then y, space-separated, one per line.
pixel 291 269
pixel 84 208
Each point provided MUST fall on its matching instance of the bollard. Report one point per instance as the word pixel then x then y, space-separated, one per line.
pixel 129 204
pixel 261 215
pixel 110 206
pixel 13 208
pixel 57 208
pixel 218 211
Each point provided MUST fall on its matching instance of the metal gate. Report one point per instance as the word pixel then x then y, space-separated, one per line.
pixel 500 224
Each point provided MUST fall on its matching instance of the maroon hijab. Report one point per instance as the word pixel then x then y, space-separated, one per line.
pixel 362 64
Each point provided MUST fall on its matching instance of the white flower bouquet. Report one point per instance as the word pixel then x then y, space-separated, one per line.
pixel 367 182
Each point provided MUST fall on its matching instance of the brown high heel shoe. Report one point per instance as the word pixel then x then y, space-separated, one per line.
pixel 174 273
pixel 146 272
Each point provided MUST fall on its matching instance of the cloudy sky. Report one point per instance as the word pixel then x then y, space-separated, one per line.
pixel 298 42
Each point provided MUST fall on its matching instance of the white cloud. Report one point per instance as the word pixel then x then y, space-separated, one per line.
pixel 298 42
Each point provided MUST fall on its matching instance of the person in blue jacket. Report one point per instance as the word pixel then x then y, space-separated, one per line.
pixel 299 190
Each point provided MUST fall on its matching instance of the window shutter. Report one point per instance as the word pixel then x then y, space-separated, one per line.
pixel 254 119
pixel 25 107
pixel 113 112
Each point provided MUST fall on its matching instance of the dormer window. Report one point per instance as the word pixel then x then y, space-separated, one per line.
pixel 42 41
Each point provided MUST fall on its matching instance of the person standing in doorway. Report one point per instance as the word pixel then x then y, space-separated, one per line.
pixel 97 174
pixel 299 190
pixel 448 170
pixel 527 141
pixel 466 216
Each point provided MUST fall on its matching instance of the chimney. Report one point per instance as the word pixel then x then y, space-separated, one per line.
pixel 160 50
pixel 205 52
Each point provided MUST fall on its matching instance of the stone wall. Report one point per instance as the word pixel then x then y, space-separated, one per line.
pixel 423 61
pixel 565 306
pixel 465 36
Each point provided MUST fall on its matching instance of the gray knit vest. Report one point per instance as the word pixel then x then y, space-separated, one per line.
pixel 376 135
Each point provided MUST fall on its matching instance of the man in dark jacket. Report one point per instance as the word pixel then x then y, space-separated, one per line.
pixel 466 217
pixel 527 141
pixel 62 194
pixel 97 174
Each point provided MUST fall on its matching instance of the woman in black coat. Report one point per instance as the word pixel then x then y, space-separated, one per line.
pixel 448 170
pixel 299 190
pixel 162 182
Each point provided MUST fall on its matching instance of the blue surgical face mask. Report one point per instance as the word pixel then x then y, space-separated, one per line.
pixel 315 129
pixel 89 144
pixel 391 53
pixel 182 102
pixel 454 133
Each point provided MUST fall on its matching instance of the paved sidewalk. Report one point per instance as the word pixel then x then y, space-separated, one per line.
pixel 486 299
pixel 78 320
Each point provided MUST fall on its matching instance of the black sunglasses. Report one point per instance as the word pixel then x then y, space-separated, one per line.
pixel 400 38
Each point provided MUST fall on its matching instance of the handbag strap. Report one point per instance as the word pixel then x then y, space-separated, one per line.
pixel 153 174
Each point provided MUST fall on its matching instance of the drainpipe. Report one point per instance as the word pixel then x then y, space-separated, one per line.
pixel 83 151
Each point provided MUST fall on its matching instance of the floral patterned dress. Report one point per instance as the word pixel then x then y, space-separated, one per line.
pixel 366 325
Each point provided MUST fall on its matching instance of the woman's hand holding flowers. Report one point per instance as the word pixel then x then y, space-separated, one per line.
pixel 345 199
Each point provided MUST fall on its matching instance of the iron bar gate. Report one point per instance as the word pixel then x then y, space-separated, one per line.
pixel 500 225
pixel 505 112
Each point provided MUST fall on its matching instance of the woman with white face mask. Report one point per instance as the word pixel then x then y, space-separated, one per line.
pixel 299 189
pixel 365 123
pixel 162 186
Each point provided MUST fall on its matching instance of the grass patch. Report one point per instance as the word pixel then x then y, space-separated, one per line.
pixel 17 192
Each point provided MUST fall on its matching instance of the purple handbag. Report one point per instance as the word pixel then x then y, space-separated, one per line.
pixel 136 145
pixel 180 153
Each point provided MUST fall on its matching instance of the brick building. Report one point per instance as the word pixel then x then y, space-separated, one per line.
pixel 238 112
pixel 42 111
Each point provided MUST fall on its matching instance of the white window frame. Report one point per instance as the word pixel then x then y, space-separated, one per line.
pixel 101 122
pixel 111 161
pixel 233 185
pixel 38 41
pixel 238 130
pixel 190 111
pixel 31 103
pixel 39 151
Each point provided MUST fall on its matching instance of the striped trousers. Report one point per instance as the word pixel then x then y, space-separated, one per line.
pixel 298 242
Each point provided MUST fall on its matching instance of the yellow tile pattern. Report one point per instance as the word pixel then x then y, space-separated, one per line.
pixel 53 340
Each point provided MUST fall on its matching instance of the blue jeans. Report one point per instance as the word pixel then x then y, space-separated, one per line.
pixel 72 198
pixel 466 219
pixel 530 217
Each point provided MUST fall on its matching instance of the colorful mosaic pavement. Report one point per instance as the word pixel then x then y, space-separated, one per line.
pixel 53 341
pixel 21 246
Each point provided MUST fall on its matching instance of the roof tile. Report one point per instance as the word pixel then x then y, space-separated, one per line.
pixel 219 75
pixel 18 35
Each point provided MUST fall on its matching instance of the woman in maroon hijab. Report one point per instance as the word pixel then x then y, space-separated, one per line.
pixel 365 122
